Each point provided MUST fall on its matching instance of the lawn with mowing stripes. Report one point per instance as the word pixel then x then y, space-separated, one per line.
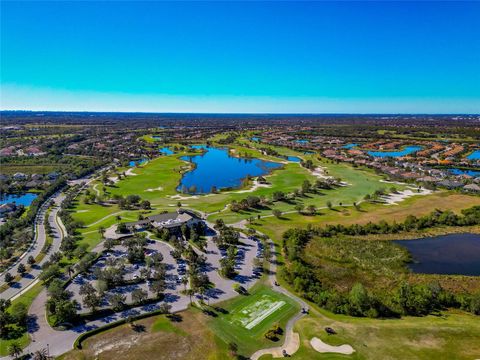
pixel 249 317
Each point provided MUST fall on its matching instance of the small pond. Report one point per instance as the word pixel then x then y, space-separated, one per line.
pixel 294 158
pixel 396 153
pixel 137 162
pixel 454 254
pixel 255 138
pixel 19 199
pixel 166 151
pixel 474 155
pixel 349 146
pixel 473 173
pixel 217 168
pixel 301 141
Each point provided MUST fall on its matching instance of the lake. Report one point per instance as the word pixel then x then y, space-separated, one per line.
pixel 349 146
pixel 397 153
pixel 217 168
pixel 472 173
pixel 474 155
pixel 19 199
pixel 454 254
pixel 166 151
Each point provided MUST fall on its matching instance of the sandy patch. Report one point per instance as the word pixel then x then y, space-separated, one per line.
pixel 395 198
pixel 322 347
pixel 82 211
pixel 130 172
pixel 155 189
pixel 256 185
pixel 181 197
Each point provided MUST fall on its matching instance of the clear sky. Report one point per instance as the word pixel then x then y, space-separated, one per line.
pixel 314 57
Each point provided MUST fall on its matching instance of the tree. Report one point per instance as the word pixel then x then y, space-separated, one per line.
pixel 101 231
pixel 277 213
pixel 109 244
pixel 66 311
pixel 41 354
pixel 158 287
pixel 233 348
pixel 8 278
pixel 329 204
pixel 31 260
pixel 117 301
pixel 299 208
pixel 139 296
pixel 14 350
pixel 21 269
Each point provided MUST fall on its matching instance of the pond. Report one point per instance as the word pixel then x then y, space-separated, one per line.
pixel 349 146
pixel 474 155
pixel 397 153
pixel 19 199
pixel 137 162
pixel 255 138
pixel 454 254
pixel 217 168
pixel 294 158
pixel 473 173
pixel 301 141
pixel 166 151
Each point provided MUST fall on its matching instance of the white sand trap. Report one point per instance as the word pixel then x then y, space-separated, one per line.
pixel 180 197
pixel 395 198
pixel 256 185
pixel 155 189
pixel 130 172
pixel 82 211
pixel 319 172
pixel 322 347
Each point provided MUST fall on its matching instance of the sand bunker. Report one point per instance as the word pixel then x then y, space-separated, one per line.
pixel 155 189
pixel 322 347
pixel 395 198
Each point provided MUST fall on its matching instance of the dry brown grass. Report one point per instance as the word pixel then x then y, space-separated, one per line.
pixel 188 339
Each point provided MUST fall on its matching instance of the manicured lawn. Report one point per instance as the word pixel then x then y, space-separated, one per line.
pixel 249 317
pixel 452 335
pixel 417 205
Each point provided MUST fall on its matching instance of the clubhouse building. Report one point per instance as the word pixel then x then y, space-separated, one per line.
pixel 172 221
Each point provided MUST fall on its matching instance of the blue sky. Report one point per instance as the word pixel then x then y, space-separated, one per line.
pixel 241 57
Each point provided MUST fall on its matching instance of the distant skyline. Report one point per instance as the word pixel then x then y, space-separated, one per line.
pixel 249 57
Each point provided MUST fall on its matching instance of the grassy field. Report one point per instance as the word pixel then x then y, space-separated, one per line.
pixel 417 205
pixel 247 318
pixel 452 335
pixel 155 338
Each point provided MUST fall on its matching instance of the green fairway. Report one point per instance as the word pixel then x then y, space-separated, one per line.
pixel 248 318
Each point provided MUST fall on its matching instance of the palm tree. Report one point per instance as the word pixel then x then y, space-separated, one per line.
pixel 101 231
pixel 15 350
pixel 184 282
pixel 40 354
pixel 70 270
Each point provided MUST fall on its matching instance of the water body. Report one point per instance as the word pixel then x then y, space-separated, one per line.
pixel 294 158
pixel 166 151
pixel 472 173
pixel 19 199
pixel 397 153
pixel 254 138
pixel 474 155
pixel 217 168
pixel 301 141
pixel 454 254
pixel 349 146
pixel 156 137
pixel 137 162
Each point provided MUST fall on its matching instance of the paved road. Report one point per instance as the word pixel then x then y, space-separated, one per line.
pixel 60 342
pixel 40 239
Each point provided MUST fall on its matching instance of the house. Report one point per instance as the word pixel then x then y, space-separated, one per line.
pixel 171 221
pixel 6 208
pixel 472 188
pixel 19 176
pixel 450 184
